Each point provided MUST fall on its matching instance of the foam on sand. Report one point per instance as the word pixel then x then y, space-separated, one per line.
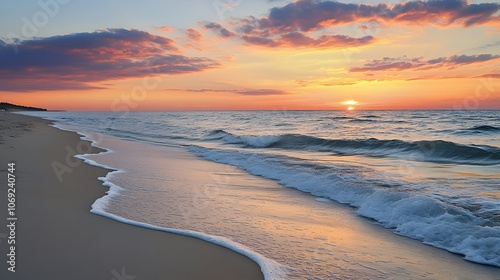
pixel 271 269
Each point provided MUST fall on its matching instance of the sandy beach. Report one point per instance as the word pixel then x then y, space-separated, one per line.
pixel 231 139
pixel 58 238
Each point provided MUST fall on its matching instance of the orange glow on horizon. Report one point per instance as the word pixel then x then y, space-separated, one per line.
pixel 367 96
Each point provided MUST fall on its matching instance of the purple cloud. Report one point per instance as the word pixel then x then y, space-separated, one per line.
pixel 72 61
pixel 491 75
pixel 404 63
pixel 219 29
pixel 308 15
pixel 297 39
pixel 292 24
pixel 194 34
pixel 239 91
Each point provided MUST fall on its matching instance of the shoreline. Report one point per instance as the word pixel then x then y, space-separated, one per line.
pixel 269 268
pixel 258 207
pixel 59 238
pixel 170 179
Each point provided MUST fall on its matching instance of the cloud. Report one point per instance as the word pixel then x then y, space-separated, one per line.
pixel 238 91
pixel 194 34
pixel 259 92
pixel 482 47
pixel 327 82
pixel 309 15
pixel 219 29
pixel 297 39
pixel 291 25
pixel 165 28
pixel 491 75
pixel 467 59
pixel 404 63
pixel 72 61
pixel 295 24
pixel 46 85
pixel 293 39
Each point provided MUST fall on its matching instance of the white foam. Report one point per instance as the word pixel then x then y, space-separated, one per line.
pixel 429 220
pixel 86 137
pixel 270 269
pixel 254 141
pixel 436 224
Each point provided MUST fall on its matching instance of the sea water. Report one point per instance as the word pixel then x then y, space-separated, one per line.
pixel 430 175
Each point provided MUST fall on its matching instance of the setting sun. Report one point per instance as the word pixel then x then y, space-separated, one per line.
pixel 350 102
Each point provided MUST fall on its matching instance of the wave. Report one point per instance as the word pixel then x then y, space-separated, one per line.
pixel 142 135
pixel 484 128
pixel 371 117
pixel 362 120
pixel 431 151
pixel 414 215
pixel 338 118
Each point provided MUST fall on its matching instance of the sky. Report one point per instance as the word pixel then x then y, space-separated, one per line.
pixel 128 55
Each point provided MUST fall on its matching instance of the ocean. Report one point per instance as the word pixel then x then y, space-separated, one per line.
pixel 433 176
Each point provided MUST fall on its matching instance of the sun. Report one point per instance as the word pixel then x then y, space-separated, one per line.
pixel 350 104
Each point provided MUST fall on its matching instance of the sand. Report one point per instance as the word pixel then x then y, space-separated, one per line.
pixel 58 238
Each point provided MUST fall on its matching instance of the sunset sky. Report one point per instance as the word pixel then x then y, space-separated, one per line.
pixel 250 54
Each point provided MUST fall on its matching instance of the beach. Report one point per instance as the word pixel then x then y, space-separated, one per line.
pixel 179 173
pixel 231 139
pixel 58 238
pixel 140 208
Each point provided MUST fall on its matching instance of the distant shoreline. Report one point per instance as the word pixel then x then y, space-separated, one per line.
pixel 9 107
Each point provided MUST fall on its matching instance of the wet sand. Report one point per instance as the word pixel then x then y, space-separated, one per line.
pixel 58 238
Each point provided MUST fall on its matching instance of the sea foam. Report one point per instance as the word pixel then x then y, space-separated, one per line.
pixel 270 269
pixel 414 215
